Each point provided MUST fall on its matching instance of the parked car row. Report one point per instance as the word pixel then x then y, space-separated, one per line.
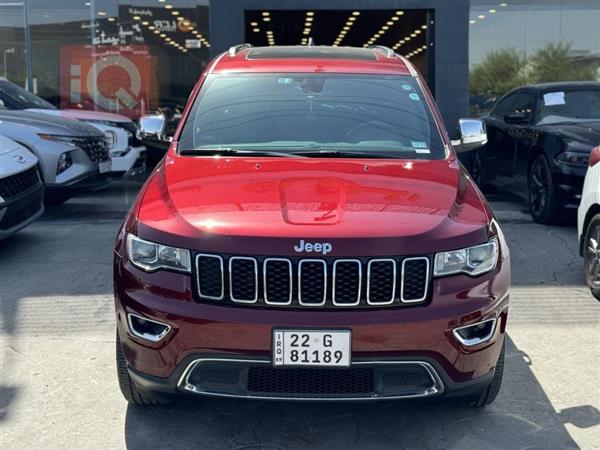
pixel 50 155
pixel 544 145
pixel 539 141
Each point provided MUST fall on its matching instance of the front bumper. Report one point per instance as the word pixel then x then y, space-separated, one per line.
pixel 20 211
pixel 134 161
pixel 421 335
pixel 85 183
pixel 569 183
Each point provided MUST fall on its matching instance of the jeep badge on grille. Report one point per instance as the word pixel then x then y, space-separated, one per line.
pixel 323 247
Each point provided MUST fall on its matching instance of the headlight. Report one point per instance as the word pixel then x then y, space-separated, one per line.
pixel 58 138
pixel 111 138
pixel 472 261
pixel 149 256
pixel 575 159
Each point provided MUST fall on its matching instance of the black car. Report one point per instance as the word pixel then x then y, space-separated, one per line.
pixel 539 140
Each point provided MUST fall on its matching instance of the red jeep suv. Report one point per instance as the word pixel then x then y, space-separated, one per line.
pixel 311 235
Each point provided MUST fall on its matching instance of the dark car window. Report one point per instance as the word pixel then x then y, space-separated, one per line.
pixel 21 98
pixel 295 112
pixel 524 103
pixel 576 105
pixel 504 106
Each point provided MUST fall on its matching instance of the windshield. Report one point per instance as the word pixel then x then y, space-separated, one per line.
pixel 580 105
pixel 322 112
pixel 21 97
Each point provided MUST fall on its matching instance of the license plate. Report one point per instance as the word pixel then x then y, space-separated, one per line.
pixel 311 348
pixel 104 166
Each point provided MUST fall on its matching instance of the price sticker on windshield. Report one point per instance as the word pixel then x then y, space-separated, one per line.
pixel 554 98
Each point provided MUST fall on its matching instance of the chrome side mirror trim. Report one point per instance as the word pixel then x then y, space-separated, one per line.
pixel 153 126
pixel 473 134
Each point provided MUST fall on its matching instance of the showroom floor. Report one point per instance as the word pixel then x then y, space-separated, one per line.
pixel 59 385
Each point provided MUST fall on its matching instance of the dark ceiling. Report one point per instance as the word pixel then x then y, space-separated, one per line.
pixel 287 28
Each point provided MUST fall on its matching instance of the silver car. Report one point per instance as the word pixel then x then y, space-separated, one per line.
pixel 21 187
pixel 127 153
pixel 73 156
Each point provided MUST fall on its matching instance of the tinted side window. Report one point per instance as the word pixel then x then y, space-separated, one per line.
pixel 504 106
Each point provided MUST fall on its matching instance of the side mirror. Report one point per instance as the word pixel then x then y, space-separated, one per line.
pixel 594 156
pixel 517 118
pixel 153 126
pixel 473 135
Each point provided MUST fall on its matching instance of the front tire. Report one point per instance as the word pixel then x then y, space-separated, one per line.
pixel 129 389
pixel 487 395
pixel 591 256
pixel 544 204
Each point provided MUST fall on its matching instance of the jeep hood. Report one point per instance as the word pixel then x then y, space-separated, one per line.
pixel 264 205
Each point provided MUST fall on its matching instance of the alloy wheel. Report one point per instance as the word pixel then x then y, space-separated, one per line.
pixel 592 256
pixel 538 187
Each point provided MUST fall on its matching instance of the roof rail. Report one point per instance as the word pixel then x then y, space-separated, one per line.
pixel 386 50
pixel 235 49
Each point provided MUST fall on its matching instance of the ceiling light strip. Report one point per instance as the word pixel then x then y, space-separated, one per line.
pixel 346 27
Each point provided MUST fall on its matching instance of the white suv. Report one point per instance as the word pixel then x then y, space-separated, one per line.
pixel 588 223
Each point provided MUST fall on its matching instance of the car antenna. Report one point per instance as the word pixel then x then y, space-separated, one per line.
pixel 311 42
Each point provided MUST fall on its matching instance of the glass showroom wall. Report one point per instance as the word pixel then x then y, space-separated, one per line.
pixel 519 42
pixel 126 56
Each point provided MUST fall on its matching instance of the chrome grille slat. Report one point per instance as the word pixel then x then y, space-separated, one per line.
pixel 335 284
pixel 371 282
pixel 327 282
pixel 235 284
pixel 301 281
pixel 404 284
pixel 290 286
pixel 199 276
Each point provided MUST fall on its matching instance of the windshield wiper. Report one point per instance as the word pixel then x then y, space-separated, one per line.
pixel 229 151
pixel 344 154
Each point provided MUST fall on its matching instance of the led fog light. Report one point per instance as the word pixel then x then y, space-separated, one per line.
pixel 147 329
pixel 64 162
pixel 477 333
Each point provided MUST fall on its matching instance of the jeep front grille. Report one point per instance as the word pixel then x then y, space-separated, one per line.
pixel 297 282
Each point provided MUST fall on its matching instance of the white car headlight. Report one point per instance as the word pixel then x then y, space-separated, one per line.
pixel 472 261
pixel 111 138
pixel 149 256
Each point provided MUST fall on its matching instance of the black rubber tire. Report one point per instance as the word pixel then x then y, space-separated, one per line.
pixel 487 395
pixel 593 230
pixel 128 388
pixel 476 170
pixel 478 173
pixel 544 204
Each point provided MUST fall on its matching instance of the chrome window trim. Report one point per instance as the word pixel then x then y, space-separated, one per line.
pixel 291 278
pixel 436 388
pixel 243 258
pixel 335 263
pixel 145 336
pixel 324 264
pixel 394 281
pixel 427 277
pixel 476 341
pixel 210 297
